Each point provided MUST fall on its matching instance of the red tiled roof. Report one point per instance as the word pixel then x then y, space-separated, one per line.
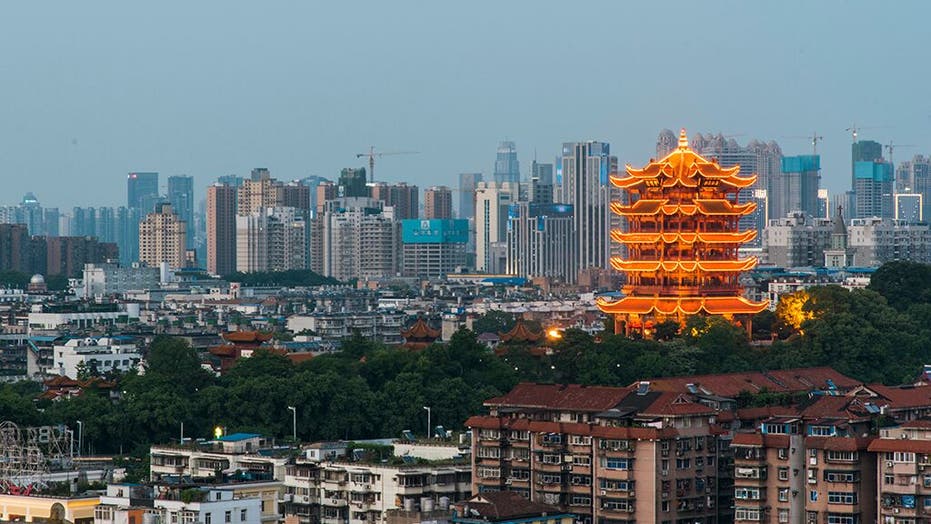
pixel 917 424
pixel 909 445
pixel 760 440
pixel 568 428
pixel 676 404
pixel 763 413
pixel 521 333
pixel 561 397
pixel 498 506
pixel 904 397
pixel 834 407
pixel 420 331
pixel 781 381
pixel 246 336
pixel 838 443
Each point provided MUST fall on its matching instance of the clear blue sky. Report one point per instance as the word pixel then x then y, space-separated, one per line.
pixel 92 90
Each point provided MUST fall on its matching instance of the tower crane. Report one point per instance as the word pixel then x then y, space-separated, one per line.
pixel 371 154
pixel 814 138
pixel 854 129
pixel 891 147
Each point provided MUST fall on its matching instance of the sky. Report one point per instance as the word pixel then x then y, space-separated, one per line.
pixel 90 91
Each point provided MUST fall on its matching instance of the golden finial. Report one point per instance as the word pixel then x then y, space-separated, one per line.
pixel 683 139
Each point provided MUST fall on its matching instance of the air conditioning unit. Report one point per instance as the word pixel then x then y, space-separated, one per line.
pixel 507 482
pixel 604 492
pixel 896 510
pixel 888 464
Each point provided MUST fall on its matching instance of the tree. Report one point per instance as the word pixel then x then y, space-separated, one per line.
pixel 495 321
pixel 903 283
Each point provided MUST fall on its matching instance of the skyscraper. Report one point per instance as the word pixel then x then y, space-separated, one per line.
pixel 221 229
pixel 796 187
pixel 585 170
pixel 181 197
pixel 540 241
pixel 873 189
pixel 142 191
pixel 352 183
pixel 161 238
pixel 272 239
pixel 507 168
pixel 258 192
pixel 438 202
pixel 492 201
pixel 467 183
pixel 541 183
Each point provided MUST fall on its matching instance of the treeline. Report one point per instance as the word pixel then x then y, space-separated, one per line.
pixel 880 334
pixel 290 278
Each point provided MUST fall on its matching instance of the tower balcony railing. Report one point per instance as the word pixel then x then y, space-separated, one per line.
pixel 680 291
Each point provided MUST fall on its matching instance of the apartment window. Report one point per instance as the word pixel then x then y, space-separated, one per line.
pixel 580 500
pixel 619 444
pixel 888 479
pixel 581 480
pixel 783 453
pixel 550 479
pixel 489 434
pixel 821 431
pixel 489 473
pixel 683 463
pixel 813 496
pixel 927 481
pixel 841 476
pixel 747 514
pixel 581 460
pixel 783 515
pixel 844 519
pixel 489 452
pixel 783 494
pixel 580 440
pixel 842 497
pixel 846 456
pixel 617 463
pixel 551 458
pixel 901 456
pixel 520 435
pixel 520 474
pixel 665 506
pixel 208 518
pixel 617 505
pixel 520 453
pixel 228 517
pixel 552 438
pixel 812 475
pixel 747 493
pixel 783 473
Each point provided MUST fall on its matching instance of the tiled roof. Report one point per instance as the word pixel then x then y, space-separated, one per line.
pixel 782 381
pixel 838 443
pixel 496 506
pixel 568 428
pixel 759 440
pixel 904 397
pixel 676 404
pixel 909 445
pixel 561 397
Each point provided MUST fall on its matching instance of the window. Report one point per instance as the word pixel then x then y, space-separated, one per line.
pixel 489 434
pixel 489 452
pixel 616 505
pixel 783 473
pixel 549 458
pixel 783 515
pixel 520 474
pixel 486 472
pixel 581 460
pixel 747 514
pixel 580 440
pixel 845 456
pixel 844 519
pixel 842 497
pixel 550 479
pixel 228 517
pixel 747 493
pixel 888 479
pixel 821 431
pixel 619 444
pixel 683 463
pixel 841 476
pixel 520 453
pixel 812 475
pixel 783 494
pixel 617 463
pixel 813 496
pixel 580 500
pixel 208 518
pixel 552 438
pixel 783 453
pixel 581 480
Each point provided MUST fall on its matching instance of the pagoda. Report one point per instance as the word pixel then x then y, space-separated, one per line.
pixel 419 335
pixel 682 239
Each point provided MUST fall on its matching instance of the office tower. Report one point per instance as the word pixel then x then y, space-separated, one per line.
pixel 14 247
pixel 864 151
pixel 162 236
pixel 540 241
pixel 467 183
pixel 873 189
pixel 492 201
pixel 325 191
pixel 142 191
pixel 51 218
pixel 757 157
pixel 181 198
pixel 507 168
pixel 585 170
pixel 404 198
pixel 359 240
pixel 908 208
pixel 83 222
pixel 682 239
pixel 438 202
pixel 231 180
pixel 541 183
pixel 352 183
pixel 433 247
pixel 127 232
pixel 824 204
pixel 105 224
pixel 221 229
pixel 258 192
pixel 795 188
pixel 796 240
pixel 665 143
pixel 29 212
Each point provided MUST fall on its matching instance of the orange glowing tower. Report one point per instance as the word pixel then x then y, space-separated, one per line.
pixel 682 238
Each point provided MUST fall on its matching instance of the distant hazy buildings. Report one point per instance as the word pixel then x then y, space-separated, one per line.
pixel 796 240
pixel 873 189
pixel 352 183
pixel 795 188
pixel 908 207
pixel 181 197
pixel 162 236
pixel 875 241
pixel 438 202
pixel 585 167
pixel 467 184
pixel 541 183
pixel 433 248
pixel 142 191
pixel 359 239
pixel 507 168
pixel 404 198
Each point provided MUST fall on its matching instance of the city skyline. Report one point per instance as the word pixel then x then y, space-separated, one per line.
pixel 96 99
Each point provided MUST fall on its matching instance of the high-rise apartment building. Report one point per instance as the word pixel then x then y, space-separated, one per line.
pixel 14 247
pixel 585 168
pixel 908 208
pixel 874 241
pixel 352 183
pixel 540 241
pixel 404 198
pixel 795 188
pixel 325 191
pixel 507 168
pixel 666 143
pixel 162 236
pixel 438 203
pixel 873 189
pixel 467 184
pixel 492 201
pixel 359 239
pixel 433 248
pixel 258 192
pixel 221 229
pixel 181 198
pixel 918 181
pixel 273 239
pixel 796 240
pixel 142 191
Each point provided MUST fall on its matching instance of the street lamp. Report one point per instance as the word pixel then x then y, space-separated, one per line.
pixel 80 436
pixel 293 421
pixel 428 420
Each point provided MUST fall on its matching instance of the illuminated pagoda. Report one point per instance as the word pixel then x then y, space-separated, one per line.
pixel 682 238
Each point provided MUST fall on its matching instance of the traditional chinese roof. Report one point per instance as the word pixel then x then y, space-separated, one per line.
pixel 682 167
pixel 683 238
pixel 239 337
pixel 521 333
pixel 674 305
pixel 420 331
pixel 707 207
pixel 739 265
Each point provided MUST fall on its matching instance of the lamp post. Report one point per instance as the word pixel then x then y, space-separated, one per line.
pixel 428 420
pixel 293 422
pixel 80 437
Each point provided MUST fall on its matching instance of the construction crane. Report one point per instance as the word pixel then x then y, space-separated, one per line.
pixel 891 147
pixel 814 138
pixel 853 130
pixel 372 154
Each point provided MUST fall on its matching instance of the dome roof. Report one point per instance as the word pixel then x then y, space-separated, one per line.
pixel 37 279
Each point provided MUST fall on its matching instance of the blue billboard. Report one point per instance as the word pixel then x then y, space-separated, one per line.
pixel 435 231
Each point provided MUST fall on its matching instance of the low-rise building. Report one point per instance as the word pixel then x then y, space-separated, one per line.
pixel 238 453
pixel 101 280
pixel 94 356
pixel 133 503
pixel 384 326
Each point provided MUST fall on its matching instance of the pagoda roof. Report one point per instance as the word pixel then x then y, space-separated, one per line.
pixel 686 305
pixel 711 266
pixel 704 206
pixel 685 238
pixel 521 333
pixel 420 331
pixel 683 167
